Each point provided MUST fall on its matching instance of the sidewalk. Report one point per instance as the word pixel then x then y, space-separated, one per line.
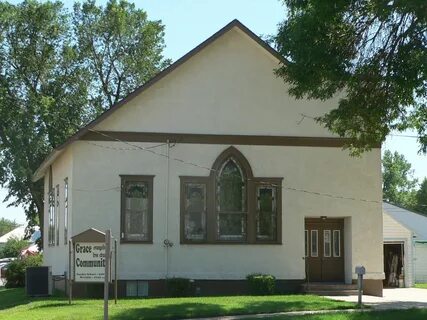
pixel 289 313
pixel 399 298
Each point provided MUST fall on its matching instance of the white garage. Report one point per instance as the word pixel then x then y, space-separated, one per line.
pixel 405 246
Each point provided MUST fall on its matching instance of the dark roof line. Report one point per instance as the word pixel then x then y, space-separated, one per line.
pixel 159 76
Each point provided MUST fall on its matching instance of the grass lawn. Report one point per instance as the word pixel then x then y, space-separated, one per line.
pixel 15 305
pixel 412 314
pixel 421 285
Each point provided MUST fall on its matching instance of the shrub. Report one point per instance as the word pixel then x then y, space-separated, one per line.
pixel 179 287
pixel 261 284
pixel 15 272
pixel 13 247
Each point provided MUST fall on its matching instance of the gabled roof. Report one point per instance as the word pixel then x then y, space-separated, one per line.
pixel 235 23
pixel 413 221
pixel 89 235
pixel 19 232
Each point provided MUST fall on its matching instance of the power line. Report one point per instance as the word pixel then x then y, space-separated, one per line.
pixel 216 171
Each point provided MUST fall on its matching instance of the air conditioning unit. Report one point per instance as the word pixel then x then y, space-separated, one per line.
pixel 38 281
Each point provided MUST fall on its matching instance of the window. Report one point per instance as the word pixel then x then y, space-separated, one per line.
pixel 195 209
pixel 137 209
pixel 57 216
pixel 51 231
pixel 66 211
pixel 266 220
pixel 231 202
pixel 314 242
pixel 337 243
pixel 230 205
pixel 327 243
pixel 135 288
pixel 306 242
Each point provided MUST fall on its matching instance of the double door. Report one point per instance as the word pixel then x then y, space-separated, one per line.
pixel 324 250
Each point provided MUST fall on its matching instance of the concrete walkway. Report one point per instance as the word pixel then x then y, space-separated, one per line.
pixel 402 298
pixel 289 313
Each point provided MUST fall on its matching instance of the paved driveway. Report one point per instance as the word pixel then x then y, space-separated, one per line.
pixel 403 298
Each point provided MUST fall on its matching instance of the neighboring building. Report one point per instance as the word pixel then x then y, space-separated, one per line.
pixel 218 178
pixel 405 236
pixel 19 232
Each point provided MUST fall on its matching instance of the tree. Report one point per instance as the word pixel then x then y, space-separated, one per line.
pixel 422 197
pixel 54 78
pixel 13 247
pixel 373 53
pixel 398 182
pixel 122 48
pixel 7 225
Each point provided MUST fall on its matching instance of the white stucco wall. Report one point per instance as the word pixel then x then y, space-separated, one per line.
pixel 57 255
pixel 228 88
pixel 396 232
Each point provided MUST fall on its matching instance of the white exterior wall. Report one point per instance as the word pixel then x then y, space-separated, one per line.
pixel 396 232
pixel 330 170
pixel 227 88
pixel 57 255
pixel 421 262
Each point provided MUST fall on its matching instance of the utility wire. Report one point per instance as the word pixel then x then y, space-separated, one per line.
pixel 216 171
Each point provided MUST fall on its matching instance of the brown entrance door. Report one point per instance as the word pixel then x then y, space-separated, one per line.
pixel 324 250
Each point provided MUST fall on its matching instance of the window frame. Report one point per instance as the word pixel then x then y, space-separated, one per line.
pixel 196 180
pixel 57 215
pixel 251 202
pixel 66 210
pixel 136 178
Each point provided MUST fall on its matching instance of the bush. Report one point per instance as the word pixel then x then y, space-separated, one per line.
pixel 15 272
pixel 261 284
pixel 13 247
pixel 179 287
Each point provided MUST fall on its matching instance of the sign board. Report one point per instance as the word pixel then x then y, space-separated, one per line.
pixel 89 262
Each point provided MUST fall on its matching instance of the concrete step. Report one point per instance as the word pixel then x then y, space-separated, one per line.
pixel 330 289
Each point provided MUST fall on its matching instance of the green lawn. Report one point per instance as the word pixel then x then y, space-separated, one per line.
pixel 413 314
pixel 14 305
pixel 421 285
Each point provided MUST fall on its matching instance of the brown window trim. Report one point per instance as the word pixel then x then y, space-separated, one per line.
pixel 144 178
pixel 251 199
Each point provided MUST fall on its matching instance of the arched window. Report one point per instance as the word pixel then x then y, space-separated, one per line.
pixel 230 205
pixel 231 197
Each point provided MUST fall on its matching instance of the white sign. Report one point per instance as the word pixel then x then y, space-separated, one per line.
pixel 89 262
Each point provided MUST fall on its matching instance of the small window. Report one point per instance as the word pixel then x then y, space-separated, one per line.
pixel 195 211
pixel 314 243
pixel 266 220
pixel 337 243
pixel 306 242
pixel 57 216
pixel 135 288
pixel 327 243
pixel 51 230
pixel 137 208
pixel 66 211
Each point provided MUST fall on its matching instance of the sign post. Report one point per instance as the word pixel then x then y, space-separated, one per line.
pixel 107 270
pixel 90 261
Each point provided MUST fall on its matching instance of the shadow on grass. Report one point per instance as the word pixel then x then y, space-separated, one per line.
pixel 13 297
pixel 200 310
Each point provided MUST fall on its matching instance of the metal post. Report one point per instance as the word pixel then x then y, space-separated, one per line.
pixel 70 277
pixel 115 271
pixel 107 271
pixel 360 289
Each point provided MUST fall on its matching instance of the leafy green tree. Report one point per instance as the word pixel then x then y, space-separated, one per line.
pixel 373 53
pixel 122 48
pixel 398 182
pixel 58 71
pixel 13 247
pixel 422 197
pixel 7 225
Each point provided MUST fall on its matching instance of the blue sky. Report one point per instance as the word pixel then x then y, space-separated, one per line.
pixel 189 22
